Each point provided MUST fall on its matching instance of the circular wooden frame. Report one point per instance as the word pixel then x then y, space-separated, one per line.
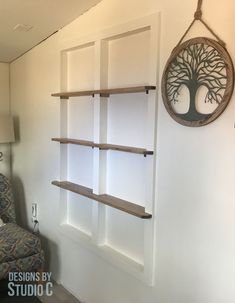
pixel 229 82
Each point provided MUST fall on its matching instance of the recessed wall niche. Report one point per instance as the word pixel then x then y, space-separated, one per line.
pixel 78 64
pixel 110 158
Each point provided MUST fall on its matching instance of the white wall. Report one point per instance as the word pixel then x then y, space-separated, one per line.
pixel 4 110
pixel 4 88
pixel 195 170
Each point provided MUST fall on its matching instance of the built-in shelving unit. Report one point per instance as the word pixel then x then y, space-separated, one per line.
pixel 128 207
pixel 107 104
pixel 105 92
pixel 105 146
pixel 123 205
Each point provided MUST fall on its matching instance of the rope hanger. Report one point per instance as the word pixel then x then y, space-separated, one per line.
pixel 198 16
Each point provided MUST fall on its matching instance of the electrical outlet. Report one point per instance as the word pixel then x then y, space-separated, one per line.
pixel 34 212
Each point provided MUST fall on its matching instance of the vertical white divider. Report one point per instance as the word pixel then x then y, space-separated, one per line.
pixel 150 225
pixel 63 133
pixel 100 136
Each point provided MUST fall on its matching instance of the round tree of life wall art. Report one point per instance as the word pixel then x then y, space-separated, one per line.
pixel 197 82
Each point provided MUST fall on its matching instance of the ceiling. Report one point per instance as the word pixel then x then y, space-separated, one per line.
pixel 44 16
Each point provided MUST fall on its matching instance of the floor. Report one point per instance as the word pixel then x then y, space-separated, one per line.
pixel 60 295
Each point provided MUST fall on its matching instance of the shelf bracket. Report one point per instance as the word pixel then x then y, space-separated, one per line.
pixel 103 95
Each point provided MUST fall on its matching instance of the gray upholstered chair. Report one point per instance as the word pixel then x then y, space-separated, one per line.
pixel 20 250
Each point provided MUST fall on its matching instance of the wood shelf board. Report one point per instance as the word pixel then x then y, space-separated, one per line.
pixel 74 141
pixel 105 146
pixel 125 206
pixel 130 149
pixel 105 92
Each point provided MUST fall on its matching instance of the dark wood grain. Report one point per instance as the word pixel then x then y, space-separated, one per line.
pixel 105 146
pixel 125 206
pixel 105 92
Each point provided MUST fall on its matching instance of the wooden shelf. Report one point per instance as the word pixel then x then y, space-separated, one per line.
pixel 128 207
pixel 74 141
pixel 129 149
pixel 105 92
pixel 105 146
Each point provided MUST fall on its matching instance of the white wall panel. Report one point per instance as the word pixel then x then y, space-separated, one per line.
pixel 125 234
pixel 127 119
pixel 80 213
pixel 129 59
pixel 80 68
pixel 126 177
pixel 80 165
pixel 80 118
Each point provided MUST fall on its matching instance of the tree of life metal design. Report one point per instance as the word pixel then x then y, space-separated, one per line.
pixel 196 63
